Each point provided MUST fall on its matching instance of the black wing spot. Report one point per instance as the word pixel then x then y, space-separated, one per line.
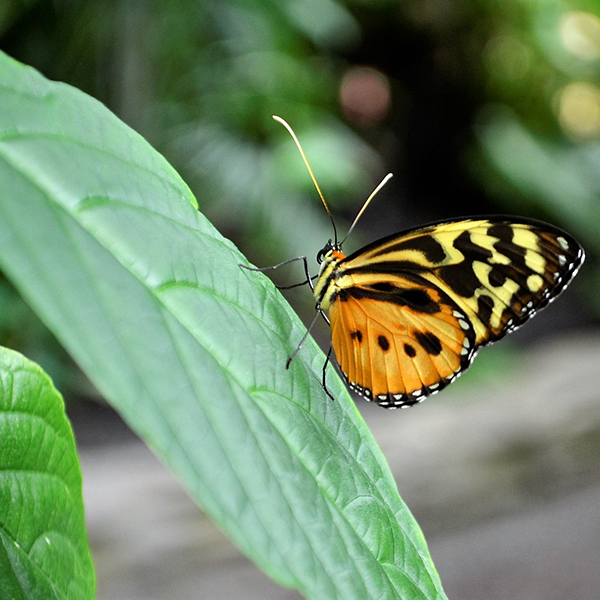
pixel 514 253
pixel 468 248
pixel 356 335
pixel 383 286
pixel 419 300
pixel 430 342
pixel 409 350
pixel 416 299
pixel 461 277
pixel 426 244
pixel 502 231
pixel 485 307
pixel 383 342
pixel 497 276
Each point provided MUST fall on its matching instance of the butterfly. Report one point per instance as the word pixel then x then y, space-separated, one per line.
pixel 409 312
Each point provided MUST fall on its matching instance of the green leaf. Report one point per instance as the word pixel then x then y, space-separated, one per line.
pixel 43 543
pixel 101 236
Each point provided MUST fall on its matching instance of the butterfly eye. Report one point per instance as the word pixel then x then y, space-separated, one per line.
pixel 324 251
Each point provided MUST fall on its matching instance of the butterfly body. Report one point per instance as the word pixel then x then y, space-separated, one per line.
pixel 408 313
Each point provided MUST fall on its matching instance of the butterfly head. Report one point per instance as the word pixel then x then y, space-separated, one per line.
pixel 326 250
pixel 330 253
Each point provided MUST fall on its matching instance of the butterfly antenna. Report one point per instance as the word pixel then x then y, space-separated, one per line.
pixel 310 171
pixel 367 202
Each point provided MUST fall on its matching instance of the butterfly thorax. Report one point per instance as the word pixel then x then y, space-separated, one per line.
pixel 326 288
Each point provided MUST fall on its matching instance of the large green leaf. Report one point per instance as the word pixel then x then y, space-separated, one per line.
pixel 43 543
pixel 103 239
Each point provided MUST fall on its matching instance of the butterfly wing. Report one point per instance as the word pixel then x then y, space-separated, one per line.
pixel 437 294
pixel 398 345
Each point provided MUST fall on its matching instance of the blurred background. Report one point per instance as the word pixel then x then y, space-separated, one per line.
pixel 477 107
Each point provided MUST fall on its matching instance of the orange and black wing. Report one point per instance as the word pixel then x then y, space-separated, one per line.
pixel 410 311
pixel 397 347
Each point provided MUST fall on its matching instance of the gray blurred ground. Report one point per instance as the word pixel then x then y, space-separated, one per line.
pixel 504 480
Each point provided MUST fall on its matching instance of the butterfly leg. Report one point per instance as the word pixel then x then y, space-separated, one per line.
pixel 325 374
pixel 295 285
pixel 327 359
pixel 312 323
pixel 308 280
pixel 291 358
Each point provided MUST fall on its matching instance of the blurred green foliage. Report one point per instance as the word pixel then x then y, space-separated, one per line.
pixel 476 106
